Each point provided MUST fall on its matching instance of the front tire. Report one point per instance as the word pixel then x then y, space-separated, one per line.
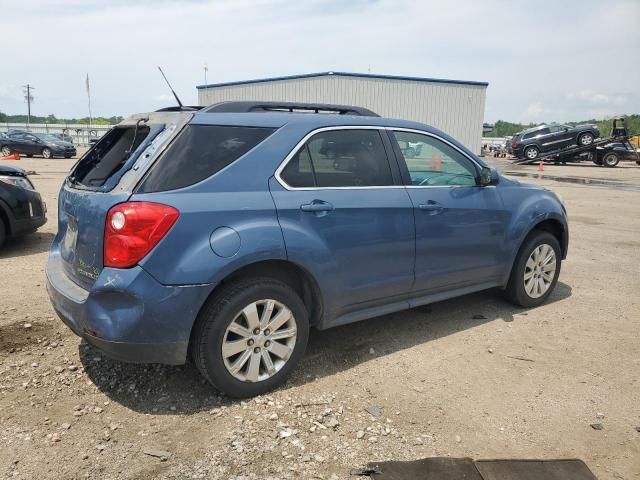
pixel 46 152
pixel 3 233
pixel 531 153
pixel 249 336
pixel 585 139
pixel 610 160
pixel 535 271
pixel 5 151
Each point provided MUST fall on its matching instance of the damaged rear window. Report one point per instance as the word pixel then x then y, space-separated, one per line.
pixel 108 156
pixel 199 152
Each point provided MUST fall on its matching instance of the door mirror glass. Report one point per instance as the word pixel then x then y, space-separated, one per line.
pixel 488 177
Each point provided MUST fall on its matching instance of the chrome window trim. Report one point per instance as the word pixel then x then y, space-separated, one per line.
pixel 304 140
pixel 380 128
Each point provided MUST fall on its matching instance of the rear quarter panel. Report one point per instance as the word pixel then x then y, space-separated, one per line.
pixel 238 198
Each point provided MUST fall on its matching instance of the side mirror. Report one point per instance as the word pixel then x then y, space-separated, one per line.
pixel 489 177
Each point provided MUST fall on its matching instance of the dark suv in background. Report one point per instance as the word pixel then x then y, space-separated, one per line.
pixel 546 138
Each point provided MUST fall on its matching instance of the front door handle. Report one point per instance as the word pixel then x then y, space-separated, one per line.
pixel 317 206
pixel 433 207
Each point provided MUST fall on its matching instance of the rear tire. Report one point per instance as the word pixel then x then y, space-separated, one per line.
pixel 610 160
pixel 221 322
pixel 530 271
pixel 5 151
pixel 585 139
pixel 531 153
pixel 46 152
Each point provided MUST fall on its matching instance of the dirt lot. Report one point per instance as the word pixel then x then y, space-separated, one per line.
pixel 472 377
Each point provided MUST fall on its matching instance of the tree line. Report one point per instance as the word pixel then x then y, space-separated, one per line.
pixel 506 129
pixel 4 118
pixel 501 128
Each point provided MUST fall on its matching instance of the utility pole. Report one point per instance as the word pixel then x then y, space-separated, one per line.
pixel 206 69
pixel 29 98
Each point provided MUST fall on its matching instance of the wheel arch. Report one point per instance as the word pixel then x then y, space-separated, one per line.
pixel 294 275
pixel 556 228
pixel 6 218
pixel 548 223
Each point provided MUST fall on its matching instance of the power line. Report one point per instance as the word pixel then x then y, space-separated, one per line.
pixel 29 98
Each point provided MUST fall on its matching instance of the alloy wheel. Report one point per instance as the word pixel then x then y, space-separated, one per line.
pixel 6 151
pixel 46 153
pixel 586 139
pixel 531 153
pixel 259 341
pixel 539 270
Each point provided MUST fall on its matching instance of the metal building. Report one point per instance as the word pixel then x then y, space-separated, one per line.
pixel 454 106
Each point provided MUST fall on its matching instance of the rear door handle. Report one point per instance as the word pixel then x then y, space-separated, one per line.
pixel 317 206
pixel 433 207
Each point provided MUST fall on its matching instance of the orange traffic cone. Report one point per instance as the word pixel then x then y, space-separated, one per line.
pixel 11 156
pixel 541 165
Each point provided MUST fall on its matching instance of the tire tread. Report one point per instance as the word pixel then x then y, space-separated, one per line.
pixel 210 314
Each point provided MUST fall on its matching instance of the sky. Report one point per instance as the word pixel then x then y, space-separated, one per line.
pixel 546 60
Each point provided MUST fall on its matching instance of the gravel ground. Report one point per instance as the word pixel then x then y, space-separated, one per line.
pixel 473 376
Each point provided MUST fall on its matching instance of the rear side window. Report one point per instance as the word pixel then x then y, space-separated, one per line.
pixel 108 156
pixel 537 133
pixel 199 152
pixel 340 158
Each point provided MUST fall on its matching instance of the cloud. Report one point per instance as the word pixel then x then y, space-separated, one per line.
pixel 589 97
pixel 534 110
pixel 164 98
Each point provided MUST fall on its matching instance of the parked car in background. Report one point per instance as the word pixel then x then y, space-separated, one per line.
pixel 65 137
pixel 30 144
pixel 226 236
pixel 532 142
pixel 22 209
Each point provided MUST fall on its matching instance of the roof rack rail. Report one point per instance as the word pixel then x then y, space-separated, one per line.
pixel 292 107
pixel 184 108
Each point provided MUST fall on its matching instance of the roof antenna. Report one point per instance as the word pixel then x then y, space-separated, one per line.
pixel 170 88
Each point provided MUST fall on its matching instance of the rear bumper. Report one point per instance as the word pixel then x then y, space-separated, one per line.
pixel 518 152
pixel 127 314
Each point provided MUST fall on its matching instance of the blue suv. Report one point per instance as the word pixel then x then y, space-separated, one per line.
pixel 223 234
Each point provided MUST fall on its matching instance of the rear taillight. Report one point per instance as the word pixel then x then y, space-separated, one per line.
pixel 133 229
pixel 514 144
